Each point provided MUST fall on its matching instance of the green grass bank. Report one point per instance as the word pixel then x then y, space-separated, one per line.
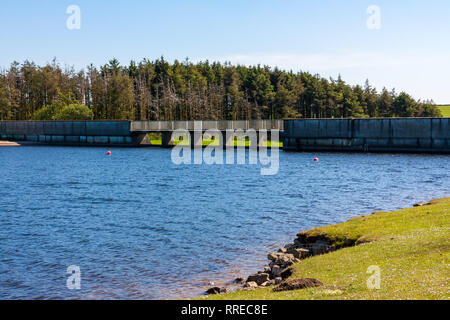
pixel 411 247
pixel 445 110
pixel 155 139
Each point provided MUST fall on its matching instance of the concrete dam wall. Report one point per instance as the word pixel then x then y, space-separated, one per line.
pixel 429 135
pixel 117 133
pixel 426 135
pixel 69 132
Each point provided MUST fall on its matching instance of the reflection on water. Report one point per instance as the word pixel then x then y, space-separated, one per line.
pixel 140 227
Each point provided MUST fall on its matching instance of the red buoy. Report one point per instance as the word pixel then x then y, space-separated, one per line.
pixel 108 153
pixel 316 159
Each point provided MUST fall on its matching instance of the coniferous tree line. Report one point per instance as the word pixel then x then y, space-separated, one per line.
pixel 159 90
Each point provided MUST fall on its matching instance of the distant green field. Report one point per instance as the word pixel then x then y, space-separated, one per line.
pixel 445 110
pixel 156 140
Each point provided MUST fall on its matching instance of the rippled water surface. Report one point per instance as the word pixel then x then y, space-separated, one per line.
pixel 140 227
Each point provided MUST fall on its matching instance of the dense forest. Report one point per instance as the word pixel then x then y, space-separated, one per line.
pixel 159 90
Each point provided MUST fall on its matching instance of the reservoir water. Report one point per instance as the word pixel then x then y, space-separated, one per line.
pixel 141 227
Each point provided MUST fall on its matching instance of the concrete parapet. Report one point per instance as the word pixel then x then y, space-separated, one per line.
pixel 190 125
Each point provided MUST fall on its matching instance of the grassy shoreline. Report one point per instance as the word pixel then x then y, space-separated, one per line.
pixel 411 247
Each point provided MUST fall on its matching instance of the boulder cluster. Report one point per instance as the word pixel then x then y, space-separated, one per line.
pixel 279 269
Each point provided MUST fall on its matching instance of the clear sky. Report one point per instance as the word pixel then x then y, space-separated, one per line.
pixel 410 51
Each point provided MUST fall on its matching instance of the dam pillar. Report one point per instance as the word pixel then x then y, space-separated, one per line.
pixel 264 136
pixel 196 139
pixel 166 139
pixel 229 138
pixel 140 139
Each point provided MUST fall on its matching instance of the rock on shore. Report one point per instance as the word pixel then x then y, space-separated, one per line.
pixel 298 284
pixel 279 268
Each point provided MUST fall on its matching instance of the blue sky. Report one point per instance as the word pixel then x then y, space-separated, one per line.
pixel 410 52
